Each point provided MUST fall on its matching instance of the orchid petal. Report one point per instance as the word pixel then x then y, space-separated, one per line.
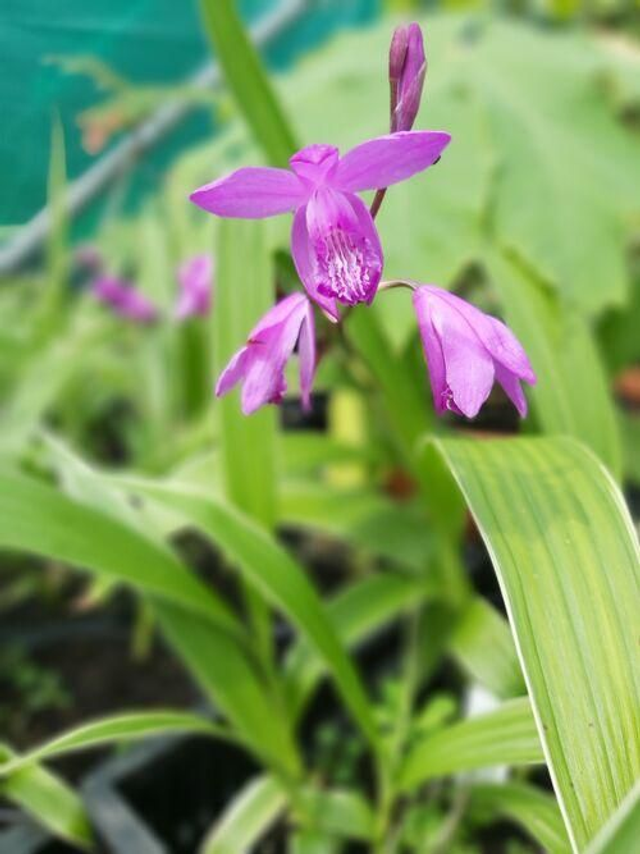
pixel 499 340
pixel 252 193
pixel 386 160
pixel 432 351
pixel 512 388
pixel 302 257
pixel 307 355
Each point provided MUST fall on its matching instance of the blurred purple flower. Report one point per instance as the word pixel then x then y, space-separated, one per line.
pixel 196 286
pixel 124 299
pixel 334 241
pixel 466 350
pixel 407 69
pixel 260 364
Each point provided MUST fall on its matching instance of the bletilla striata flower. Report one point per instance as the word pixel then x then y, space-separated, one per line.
pixel 407 70
pixel 334 241
pixel 195 279
pixel 260 364
pixel 466 351
pixel 124 299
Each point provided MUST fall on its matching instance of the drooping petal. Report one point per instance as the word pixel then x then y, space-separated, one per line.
pixel 495 335
pixel 260 364
pixel 303 259
pixel 432 350
pixel 307 355
pixel 252 193
pixel 512 388
pixel 345 257
pixel 384 161
pixel 233 372
pixel 468 365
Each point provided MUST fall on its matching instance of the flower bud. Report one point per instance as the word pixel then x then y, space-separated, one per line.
pixel 407 69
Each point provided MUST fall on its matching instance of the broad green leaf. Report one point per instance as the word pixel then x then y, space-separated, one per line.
pixel 247 80
pixel 36 518
pixel 277 577
pixel 115 729
pixel 507 736
pixel 566 556
pixel 535 810
pixel 247 817
pixel 482 643
pixel 572 394
pixel 48 799
pixel 621 833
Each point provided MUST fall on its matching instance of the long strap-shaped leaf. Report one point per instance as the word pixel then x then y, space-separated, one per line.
pixel 247 79
pixel 38 519
pixel 506 736
pixel 567 560
pixel 129 726
pixel 48 799
pixel 269 568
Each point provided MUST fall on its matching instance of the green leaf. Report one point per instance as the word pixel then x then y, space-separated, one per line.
pixel 246 818
pixel 337 812
pixel 48 799
pixel 535 810
pixel 247 80
pixel 572 394
pixel 115 729
pixel 482 642
pixel 362 517
pixel 357 612
pixel 566 556
pixel 621 833
pixel 278 578
pixel 233 682
pixel 36 518
pixel 244 292
pixel 506 736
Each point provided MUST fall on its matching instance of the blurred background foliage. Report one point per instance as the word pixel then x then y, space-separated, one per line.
pixel 534 213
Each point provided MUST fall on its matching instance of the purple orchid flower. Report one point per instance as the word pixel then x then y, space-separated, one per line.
pixel 407 70
pixel 261 362
pixel 334 241
pixel 124 299
pixel 194 276
pixel 466 350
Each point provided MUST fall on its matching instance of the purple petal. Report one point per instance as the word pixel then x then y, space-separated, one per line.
pixel 315 164
pixel 511 385
pixel 303 259
pixel 261 362
pixel 432 351
pixel 496 337
pixel 344 253
pixel 387 160
pixel 307 355
pixel 233 372
pixel 252 193
pixel 194 277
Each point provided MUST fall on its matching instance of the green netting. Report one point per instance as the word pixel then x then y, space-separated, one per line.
pixel 147 41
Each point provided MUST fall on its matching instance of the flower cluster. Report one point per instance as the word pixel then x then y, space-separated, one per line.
pixel 339 258
pixel 194 277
